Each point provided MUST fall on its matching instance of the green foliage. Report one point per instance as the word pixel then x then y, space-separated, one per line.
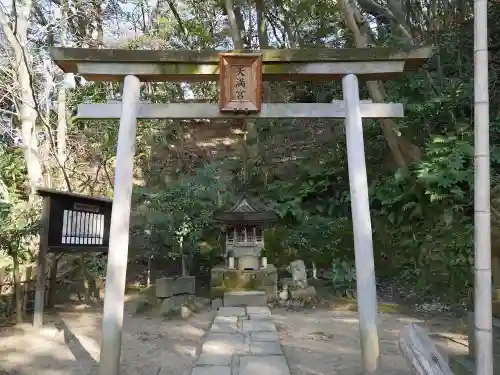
pixel 344 279
pixel 18 225
pixel 178 220
pixel 18 218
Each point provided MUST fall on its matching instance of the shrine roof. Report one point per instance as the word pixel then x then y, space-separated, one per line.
pixel 278 64
pixel 45 192
pixel 246 210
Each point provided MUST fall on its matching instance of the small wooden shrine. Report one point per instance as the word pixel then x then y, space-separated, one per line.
pixel 245 269
pixel 244 224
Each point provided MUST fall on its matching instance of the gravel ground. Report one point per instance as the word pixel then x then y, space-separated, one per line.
pixel 69 345
pixel 322 342
pixel 315 341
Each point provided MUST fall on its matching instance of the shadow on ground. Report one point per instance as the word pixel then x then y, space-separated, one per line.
pixel 69 343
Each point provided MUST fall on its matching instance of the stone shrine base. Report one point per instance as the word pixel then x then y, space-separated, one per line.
pixel 223 280
pixel 242 341
pixel 245 298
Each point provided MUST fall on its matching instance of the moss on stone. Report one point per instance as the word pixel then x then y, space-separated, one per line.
pixel 223 280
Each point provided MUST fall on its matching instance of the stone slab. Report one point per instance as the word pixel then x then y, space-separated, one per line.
pixel 268 365
pixel 226 319
pixel 225 343
pixel 260 317
pixel 231 311
pixel 171 286
pixel 250 326
pixel 224 327
pixel 214 359
pixel 266 348
pixel 264 336
pixel 245 298
pixel 258 310
pixel 211 370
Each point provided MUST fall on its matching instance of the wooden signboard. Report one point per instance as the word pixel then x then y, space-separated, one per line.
pixel 240 82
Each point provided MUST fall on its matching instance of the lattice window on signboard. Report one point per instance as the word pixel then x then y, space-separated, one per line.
pixel 82 228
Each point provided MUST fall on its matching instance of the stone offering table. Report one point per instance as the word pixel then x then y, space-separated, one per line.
pixel 242 341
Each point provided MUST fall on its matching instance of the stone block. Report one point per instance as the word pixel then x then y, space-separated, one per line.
pixel 265 348
pixel 260 317
pixel 216 303
pixel 171 286
pixel 172 303
pixel 268 365
pixel 211 370
pixel 186 312
pixel 258 310
pixel 231 311
pixel 303 294
pixel 264 336
pixel 245 298
pixel 251 326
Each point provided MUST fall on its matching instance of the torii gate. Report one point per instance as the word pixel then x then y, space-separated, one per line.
pixel 134 66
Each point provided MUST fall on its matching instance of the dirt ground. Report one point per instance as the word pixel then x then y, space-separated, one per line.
pixel 315 341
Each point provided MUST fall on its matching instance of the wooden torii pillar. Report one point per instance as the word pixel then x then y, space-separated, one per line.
pixel 134 66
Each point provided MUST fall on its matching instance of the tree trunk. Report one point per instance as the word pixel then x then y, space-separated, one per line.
pixel 17 288
pixel 261 24
pixel 150 265
pixel 185 268
pixel 85 281
pixel 20 62
pixel 403 152
pixel 235 30
pixel 26 289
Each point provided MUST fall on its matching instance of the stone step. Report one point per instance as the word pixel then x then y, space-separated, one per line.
pixel 245 298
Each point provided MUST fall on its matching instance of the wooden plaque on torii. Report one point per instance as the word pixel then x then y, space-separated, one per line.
pixel 240 82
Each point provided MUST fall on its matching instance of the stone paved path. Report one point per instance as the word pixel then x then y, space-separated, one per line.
pixel 242 341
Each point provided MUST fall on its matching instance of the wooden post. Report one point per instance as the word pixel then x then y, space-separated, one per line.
pixel 40 265
pixel 52 281
pixel 363 245
pixel 114 294
pixel 482 232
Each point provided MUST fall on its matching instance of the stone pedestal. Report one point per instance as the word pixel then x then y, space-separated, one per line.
pixel 496 341
pixel 176 295
pixel 224 280
pixel 171 286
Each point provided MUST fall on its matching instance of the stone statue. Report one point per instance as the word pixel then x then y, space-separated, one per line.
pixel 299 275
